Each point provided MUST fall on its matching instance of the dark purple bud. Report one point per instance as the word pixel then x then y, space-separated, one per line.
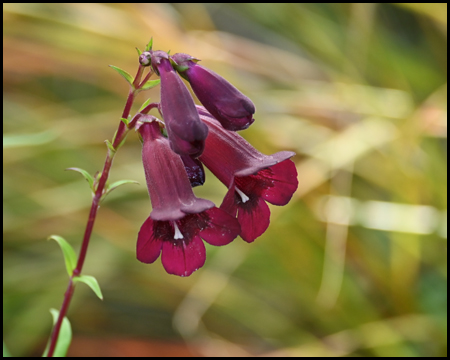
pixel 186 132
pixel 227 104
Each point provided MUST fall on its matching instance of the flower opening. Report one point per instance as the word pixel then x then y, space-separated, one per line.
pixel 252 178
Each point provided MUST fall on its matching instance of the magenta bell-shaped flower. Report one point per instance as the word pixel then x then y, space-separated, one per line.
pixel 227 104
pixel 252 178
pixel 179 220
pixel 186 132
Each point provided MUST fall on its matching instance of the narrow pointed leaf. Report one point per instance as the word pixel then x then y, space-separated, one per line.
pixel 147 102
pixel 149 45
pixel 125 121
pixel 139 51
pixel 86 175
pixel 110 146
pixel 117 184
pixel 150 84
pixel 69 254
pixel 123 73
pixel 97 177
pixel 64 338
pixel 91 282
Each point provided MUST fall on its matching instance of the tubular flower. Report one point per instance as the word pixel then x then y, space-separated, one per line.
pixel 179 220
pixel 186 132
pixel 252 178
pixel 227 104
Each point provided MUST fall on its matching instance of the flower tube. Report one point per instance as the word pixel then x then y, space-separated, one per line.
pixel 252 178
pixel 186 132
pixel 179 220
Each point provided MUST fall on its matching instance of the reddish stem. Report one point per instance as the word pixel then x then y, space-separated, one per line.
pixel 146 79
pixel 119 137
pixel 142 112
pixel 83 251
pixel 93 213
pixel 130 99
pixel 64 307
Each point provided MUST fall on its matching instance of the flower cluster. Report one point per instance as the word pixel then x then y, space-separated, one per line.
pixel 196 136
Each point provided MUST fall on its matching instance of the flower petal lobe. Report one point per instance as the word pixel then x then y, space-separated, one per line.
pixel 148 245
pixel 183 258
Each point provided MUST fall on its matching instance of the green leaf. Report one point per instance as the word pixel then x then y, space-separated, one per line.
pixel 69 254
pixel 110 146
pixel 150 84
pixel 6 353
pixel 64 338
pixel 139 51
pixel 86 175
pixel 125 121
pixel 117 184
pixel 91 282
pixel 144 105
pixel 123 73
pixel 149 45
pixel 97 177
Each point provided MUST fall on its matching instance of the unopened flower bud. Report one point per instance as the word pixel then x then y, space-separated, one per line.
pixel 145 58
pixel 227 104
pixel 186 132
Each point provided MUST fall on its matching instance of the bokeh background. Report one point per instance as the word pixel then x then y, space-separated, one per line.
pixel 355 265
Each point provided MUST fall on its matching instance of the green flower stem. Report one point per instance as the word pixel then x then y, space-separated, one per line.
pixel 121 133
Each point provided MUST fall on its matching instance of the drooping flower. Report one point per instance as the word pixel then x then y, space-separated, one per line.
pixel 252 178
pixel 179 220
pixel 227 104
pixel 186 132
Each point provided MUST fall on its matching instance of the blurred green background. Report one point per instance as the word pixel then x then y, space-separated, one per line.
pixel 354 265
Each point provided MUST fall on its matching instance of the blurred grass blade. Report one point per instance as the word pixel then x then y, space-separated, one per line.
pixel 69 254
pixel 10 141
pixel 6 353
pixel 91 282
pixel 64 338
